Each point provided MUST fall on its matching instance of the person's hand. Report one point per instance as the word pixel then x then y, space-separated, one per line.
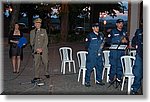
pixel 39 50
pixel 124 40
pixel 16 42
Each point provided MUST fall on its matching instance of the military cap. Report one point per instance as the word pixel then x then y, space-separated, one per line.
pixel 38 20
pixel 95 25
pixel 120 20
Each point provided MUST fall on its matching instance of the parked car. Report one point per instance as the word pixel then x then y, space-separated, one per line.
pixel 79 30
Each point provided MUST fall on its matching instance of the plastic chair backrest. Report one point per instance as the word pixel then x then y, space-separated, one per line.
pixel 65 53
pixel 127 64
pixel 133 53
pixel 106 54
pixel 81 55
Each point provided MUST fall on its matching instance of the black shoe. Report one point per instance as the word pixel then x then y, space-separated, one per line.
pixel 35 80
pixel 119 80
pixel 87 84
pixel 111 81
pixel 47 76
pixel 100 83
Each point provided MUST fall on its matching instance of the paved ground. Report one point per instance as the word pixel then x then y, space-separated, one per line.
pixel 57 83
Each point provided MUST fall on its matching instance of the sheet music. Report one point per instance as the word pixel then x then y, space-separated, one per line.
pixel 113 47
pixel 122 47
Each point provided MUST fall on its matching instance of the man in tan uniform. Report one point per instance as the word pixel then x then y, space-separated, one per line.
pixel 39 42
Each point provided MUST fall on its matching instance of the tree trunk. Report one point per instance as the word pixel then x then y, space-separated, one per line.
pixel 15 15
pixel 64 22
pixel 30 20
pixel 95 13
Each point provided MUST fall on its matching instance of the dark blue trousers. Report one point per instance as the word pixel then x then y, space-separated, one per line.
pixel 138 73
pixel 93 60
pixel 115 61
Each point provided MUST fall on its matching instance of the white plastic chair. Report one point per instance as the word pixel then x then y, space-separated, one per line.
pixel 127 65
pixel 81 56
pixel 133 53
pixel 106 64
pixel 66 57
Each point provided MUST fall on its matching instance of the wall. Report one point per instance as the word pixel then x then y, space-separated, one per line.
pixel 134 17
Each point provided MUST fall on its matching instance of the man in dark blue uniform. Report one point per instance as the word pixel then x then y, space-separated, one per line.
pixel 117 37
pixel 95 42
pixel 137 41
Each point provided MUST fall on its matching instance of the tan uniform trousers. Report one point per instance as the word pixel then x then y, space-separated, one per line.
pixel 39 60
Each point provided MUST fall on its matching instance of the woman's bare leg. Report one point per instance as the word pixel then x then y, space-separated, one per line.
pixel 18 63
pixel 14 63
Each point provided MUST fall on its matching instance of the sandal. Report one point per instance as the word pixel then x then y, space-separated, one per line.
pixel 14 72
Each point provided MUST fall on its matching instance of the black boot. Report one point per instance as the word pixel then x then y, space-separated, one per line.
pixel 100 83
pixel 87 84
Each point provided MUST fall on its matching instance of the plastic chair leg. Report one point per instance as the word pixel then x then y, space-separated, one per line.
pixel 129 85
pixel 79 75
pixel 74 67
pixel 61 67
pixel 69 67
pixel 130 82
pixel 64 64
pixel 122 83
pixel 108 69
pixel 83 77
pixel 103 73
pixel 94 74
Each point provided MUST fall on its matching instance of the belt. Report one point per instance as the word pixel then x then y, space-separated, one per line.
pixel 38 53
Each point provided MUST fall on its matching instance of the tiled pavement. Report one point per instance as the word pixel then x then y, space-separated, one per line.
pixel 57 83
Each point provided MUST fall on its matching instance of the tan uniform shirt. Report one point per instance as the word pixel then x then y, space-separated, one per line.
pixel 39 39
